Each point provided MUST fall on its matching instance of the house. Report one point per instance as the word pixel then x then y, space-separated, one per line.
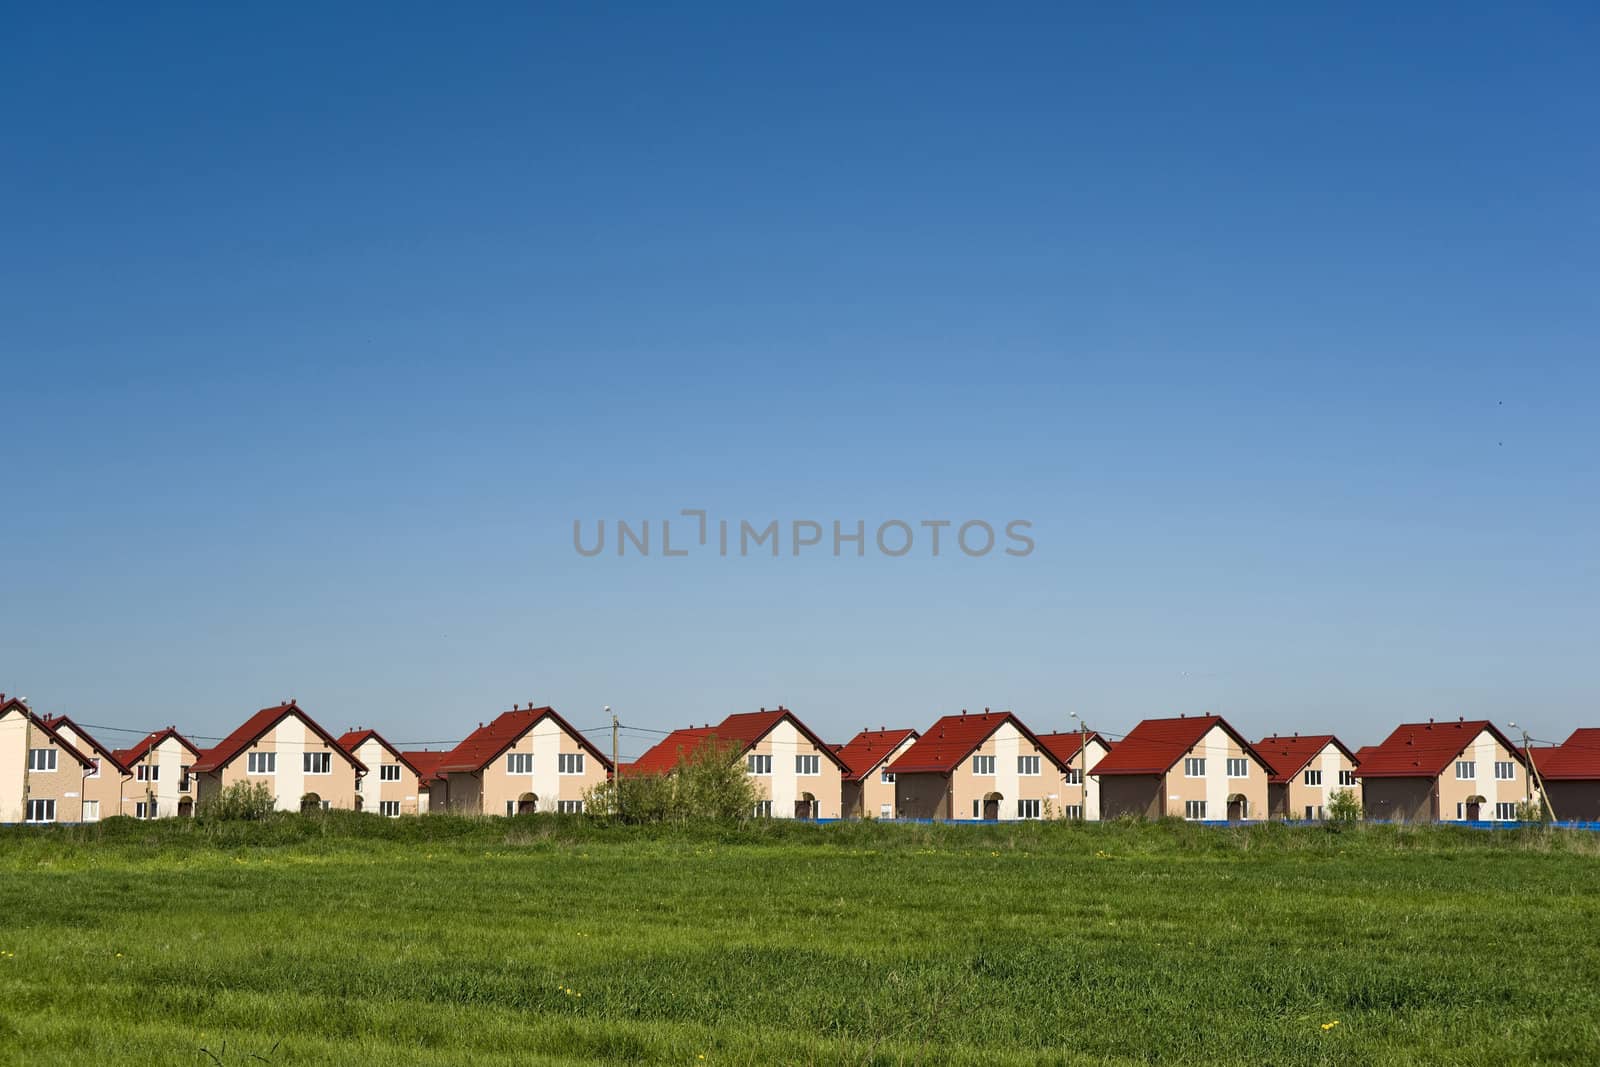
pixel 867 786
pixel 103 788
pixel 982 766
pixel 43 776
pixel 285 749
pixel 432 790
pixel 1073 749
pixel 390 786
pixel 796 773
pixel 1306 772
pixel 1430 771
pixel 163 780
pixel 1570 774
pixel 528 759
pixel 1191 767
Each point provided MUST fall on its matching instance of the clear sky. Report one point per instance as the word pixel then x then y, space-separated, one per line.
pixel 319 330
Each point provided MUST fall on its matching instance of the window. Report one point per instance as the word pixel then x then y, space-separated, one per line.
pixel 1347 777
pixel 1312 778
pixel 1028 809
pixel 147 772
pixel 1194 809
pixel 1074 776
pixel 519 763
pixel 1466 768
pixel 887 778
pixel 1240 768
pixel 41 811
pixel 511 808
pixel 1194 767
pixel 763 809
pixel 886 811
pixel 758 764
pixel 1505 812
pixel 389 808
pixel 1459 814
pixel 976 810
pixel 1073 811
pixel 808 765
pixel 1313 812
pixel 569 807
pixel 318 762
pixel 91 811
pixel 389 772
pixel 94 767
pixel 1505 770
pixel 569 763
pixel 144 810
pixel 982 764
pixel 42 759
pixel 1028 765
pixel 184 778
pixel 262 763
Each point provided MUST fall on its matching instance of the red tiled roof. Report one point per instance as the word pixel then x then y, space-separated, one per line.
pixel 130 756
pixel 49 730
pixel 354 739
pixel 1156 745
pixel 1065 745
pixel 662 757
pixel 426 764
pixel 254 728
pixel 114 758
pixel 741 732
pixel 863 752
pixel 1285 756
pixel 1575 759
pixel 487 742
pixel 953 738
pixel 1425 749
pixel 1364 751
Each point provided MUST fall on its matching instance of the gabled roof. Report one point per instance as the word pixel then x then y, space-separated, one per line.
pixel 426 764
pixel 1363 752
pixel 953 738
pixel 56 722
pixel 484 744
pixel 49 731
pixel 354 739
pixel 1575 759
pixel 1064 746
pixel 662 757
pixel 740 732
pixel 1286 756
pixel 130 756
pixel 1426 749
pixel 863 752
pixel 1156 745
pixel 255 728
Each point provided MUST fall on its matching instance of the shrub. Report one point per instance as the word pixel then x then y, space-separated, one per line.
pixel 241 801
pixel 1535 810
pixel 1343 807
pixel 708 783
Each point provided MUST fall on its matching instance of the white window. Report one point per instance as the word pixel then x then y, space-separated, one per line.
pixel 389 808
pixel 511 808
pixel 1074 776
pixel 1073 811
pixel 91 811
pixel 808 765
pixel 519 763
pixel 887 778
pixel 763 809
pixel 1028 809
pixel 41 811
pixel 886 811
pixel 1466 769
pixel 1240 768
pixel 1313 812
pixel 42 759
pixel 1194 767
pixel 389 772
pixel 1459 815
pixel 1312 778
pixel 144 810
pixel 569 807
pixel 1028 765
pixel 1505 812
pixel 1505 770
pixel 261 763
pixel 147 772
pixel 318 762
pixel 1194 809
pixel 1347 777
pixel 976 812
pixel 94 768
pixel 569 763
pixel 759 764
pixel 184 778
pixel 982 764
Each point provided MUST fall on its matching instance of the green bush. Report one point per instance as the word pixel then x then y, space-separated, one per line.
pixel 1343 807
pixel 709 783
pixel 239 802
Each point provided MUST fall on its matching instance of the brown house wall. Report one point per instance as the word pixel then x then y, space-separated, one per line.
pixel 1400 799
pixel 1574 800
pixel 1135 795
pixel 922 796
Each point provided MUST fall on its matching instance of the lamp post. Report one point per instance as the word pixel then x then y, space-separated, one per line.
pixel 1083 768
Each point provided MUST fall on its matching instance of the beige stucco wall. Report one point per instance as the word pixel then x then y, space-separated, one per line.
pixel 65 785
pixel 1005 745
pixel 1484 750
pixel 783 786
pixel 1330 761
pixel 371 787
pixel 171 757
pixel 103 790
pixel 867 798
pixel 291 739
pixel 1216 748
pixel 489 791
pixel 1068 793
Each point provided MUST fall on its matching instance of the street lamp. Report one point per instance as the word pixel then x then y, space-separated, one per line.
pixel 1083 768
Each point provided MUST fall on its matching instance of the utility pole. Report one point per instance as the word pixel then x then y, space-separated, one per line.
pixel 27 755
pixel 1083 768
pixel 1532 777
pixel 616 766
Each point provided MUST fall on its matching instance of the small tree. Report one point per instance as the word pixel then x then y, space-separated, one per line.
pixel 241 801
pixel 1533 811
pixel 707 783
pixel 1343 807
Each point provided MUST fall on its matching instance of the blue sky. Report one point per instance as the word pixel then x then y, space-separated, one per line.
pixel 320 329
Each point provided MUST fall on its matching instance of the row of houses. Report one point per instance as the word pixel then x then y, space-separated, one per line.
pixel 980 766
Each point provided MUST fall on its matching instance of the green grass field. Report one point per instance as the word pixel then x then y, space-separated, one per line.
pixel 349 940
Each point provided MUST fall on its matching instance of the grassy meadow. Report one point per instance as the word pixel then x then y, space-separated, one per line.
pixel 347 939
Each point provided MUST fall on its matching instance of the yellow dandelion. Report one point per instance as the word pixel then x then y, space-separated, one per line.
pixel 1330 1025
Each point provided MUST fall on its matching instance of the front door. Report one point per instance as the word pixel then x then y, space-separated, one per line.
pixel 802 809
pixel 1472 811
pixel 991 808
